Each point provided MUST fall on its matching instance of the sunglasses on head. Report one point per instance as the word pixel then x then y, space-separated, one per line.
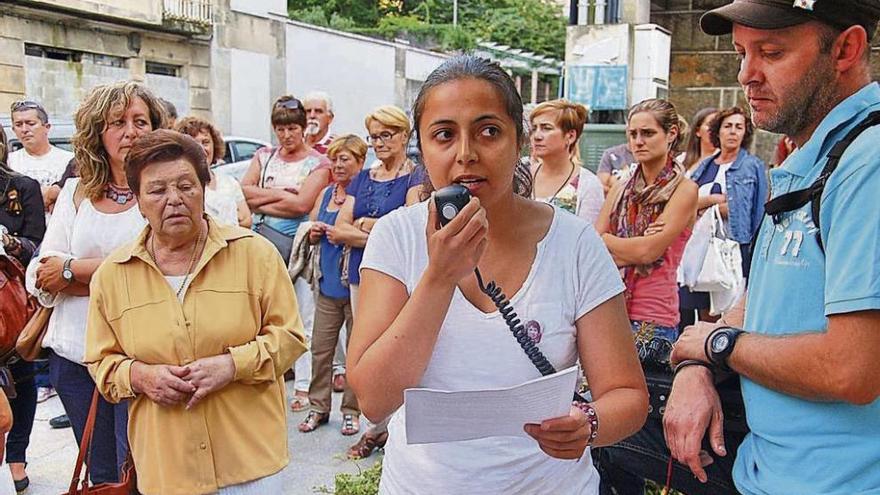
pixel 292 104
pixel 25 105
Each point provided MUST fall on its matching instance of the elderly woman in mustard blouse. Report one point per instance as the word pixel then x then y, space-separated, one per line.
pixel 196 322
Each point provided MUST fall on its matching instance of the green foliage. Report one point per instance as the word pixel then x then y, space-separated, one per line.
pixel 531 25
pixel 443 36
pixel 364 483
pixel 311 15
pixel 359 12
pixel 342 23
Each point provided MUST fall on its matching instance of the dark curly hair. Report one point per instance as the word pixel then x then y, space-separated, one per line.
pixel 192 126
pixel 715 127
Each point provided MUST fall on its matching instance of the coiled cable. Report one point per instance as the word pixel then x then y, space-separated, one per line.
pixel 519 332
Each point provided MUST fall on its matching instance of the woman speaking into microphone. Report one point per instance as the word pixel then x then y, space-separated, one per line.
pixel 423 320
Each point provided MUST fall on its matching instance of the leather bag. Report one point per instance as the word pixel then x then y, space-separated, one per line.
pixel 660 385
pixel 127 485
pixel 30 341
pixel 16 307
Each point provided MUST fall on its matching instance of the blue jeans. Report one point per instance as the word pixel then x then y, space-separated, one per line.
pixel 24 405
pixel 110 439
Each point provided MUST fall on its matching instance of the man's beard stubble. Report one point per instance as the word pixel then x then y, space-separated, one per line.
pixel 808 102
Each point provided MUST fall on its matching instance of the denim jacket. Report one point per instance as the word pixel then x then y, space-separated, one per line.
pixel 746 193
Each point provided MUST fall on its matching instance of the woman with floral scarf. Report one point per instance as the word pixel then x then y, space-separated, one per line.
pixel 645 222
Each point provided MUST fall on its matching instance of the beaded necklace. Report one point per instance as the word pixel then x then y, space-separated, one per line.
pixel 119 195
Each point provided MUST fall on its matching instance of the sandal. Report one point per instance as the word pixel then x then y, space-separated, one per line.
pixel 313 421
pixel 366 445
pixel 351 424
pixel 299 403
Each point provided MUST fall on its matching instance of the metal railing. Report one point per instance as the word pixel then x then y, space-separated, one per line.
pixel 194 11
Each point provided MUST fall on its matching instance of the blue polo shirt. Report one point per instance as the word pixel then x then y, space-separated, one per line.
pixel 799 446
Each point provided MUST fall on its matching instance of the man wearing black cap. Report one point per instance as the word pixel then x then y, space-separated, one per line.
pixel 808 357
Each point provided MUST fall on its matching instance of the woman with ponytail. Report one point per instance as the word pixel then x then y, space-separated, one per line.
pixel 645 223
pixel 557 174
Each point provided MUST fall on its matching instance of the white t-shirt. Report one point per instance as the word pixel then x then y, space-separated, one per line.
pixel 475 350
pixel 46 169
pixel 222 202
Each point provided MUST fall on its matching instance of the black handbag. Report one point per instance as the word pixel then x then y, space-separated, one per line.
pixel 660 385
pixel 282 242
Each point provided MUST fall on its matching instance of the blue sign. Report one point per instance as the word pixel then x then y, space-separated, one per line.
pixel 599 87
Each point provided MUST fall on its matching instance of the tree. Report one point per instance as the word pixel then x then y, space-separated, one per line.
pixel 531 25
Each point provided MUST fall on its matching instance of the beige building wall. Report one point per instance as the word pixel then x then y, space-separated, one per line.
pixel 104 51
pixel 148 11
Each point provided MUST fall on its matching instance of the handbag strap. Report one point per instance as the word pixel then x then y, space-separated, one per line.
pixel 718 223
pixel 264 167
pixel 85 447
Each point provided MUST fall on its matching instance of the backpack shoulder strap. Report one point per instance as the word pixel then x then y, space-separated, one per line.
pixel 813 194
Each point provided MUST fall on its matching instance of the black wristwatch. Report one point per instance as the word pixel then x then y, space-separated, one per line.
pixel 66 272
pixel 719 345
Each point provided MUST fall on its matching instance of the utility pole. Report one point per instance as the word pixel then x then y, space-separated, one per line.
pixel 455 12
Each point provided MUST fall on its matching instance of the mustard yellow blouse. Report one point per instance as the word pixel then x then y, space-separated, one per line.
pixel 240 301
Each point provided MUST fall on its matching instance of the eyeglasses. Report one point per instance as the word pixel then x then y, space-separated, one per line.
pixel 382 137
pixel 291 104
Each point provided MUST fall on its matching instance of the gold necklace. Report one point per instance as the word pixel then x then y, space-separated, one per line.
pixel 192 260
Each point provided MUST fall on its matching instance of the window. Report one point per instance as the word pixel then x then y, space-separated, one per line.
pixel 161 69
pixel 245 150
pixel 55 53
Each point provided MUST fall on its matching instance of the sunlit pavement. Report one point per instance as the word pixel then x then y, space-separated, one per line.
pixel 316 457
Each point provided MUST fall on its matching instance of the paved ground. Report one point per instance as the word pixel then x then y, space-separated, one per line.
pixel 315 457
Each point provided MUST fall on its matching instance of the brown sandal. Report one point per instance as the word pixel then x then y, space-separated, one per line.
pixel 351 424
pixel 313 421
pixel 366 445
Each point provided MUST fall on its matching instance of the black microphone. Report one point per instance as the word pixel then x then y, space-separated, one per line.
pixel 450 201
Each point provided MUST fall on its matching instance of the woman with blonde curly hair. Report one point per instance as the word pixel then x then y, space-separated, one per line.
pixel 224 199
pixel 94 214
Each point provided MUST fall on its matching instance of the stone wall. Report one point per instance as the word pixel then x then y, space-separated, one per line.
pixel 704 68
pixel 61 84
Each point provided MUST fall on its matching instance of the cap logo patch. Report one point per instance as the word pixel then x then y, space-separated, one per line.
pixel 805 4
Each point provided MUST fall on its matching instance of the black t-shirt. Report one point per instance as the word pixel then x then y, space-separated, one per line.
pixel 22 211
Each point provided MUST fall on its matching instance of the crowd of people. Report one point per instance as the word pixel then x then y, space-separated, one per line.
pixel 337 273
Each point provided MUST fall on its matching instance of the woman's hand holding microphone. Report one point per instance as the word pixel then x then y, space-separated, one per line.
pixel 455 249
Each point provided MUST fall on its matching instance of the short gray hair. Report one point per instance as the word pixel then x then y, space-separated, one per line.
pixel 321 96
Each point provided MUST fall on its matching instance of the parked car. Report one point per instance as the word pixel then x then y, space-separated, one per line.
pixel 239 151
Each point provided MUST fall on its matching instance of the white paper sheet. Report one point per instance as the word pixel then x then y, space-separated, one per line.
pixel 442 416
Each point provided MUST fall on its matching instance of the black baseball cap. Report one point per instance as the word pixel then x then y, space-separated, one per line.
pixel 778 14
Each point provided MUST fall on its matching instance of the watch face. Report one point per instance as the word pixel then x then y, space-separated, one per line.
pixel 67 274
pixel 720 342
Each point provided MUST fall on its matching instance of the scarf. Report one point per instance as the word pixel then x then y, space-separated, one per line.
pixel 638 205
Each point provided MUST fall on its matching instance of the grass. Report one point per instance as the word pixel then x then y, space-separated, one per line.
pixel 366 482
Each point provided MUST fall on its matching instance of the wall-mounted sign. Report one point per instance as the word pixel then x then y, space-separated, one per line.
pixel 599 87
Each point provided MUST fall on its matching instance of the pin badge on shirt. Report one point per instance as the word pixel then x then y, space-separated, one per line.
pixel 805 4
pixel 13 204
pixel 533 330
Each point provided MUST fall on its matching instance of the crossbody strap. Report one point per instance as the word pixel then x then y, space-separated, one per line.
pixel 264 167
pixel 813 194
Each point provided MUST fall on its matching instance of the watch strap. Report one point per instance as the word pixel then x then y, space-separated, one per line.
pixel 65 268
pixel 720 359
